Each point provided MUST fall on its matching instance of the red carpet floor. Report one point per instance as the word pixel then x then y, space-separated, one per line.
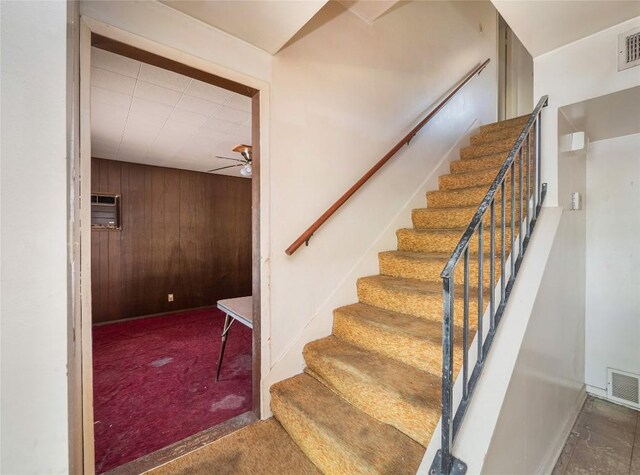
pixel 154 382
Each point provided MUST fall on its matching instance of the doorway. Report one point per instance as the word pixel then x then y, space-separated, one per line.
pixel 118 208
pixel 515 74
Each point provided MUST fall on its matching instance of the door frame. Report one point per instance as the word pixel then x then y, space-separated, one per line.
pixel 81 434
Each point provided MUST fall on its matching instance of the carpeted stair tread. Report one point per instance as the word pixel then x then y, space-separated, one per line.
pixel 338 437
pixel 504 124
pixel 428 266
pixel 391 392
pixel 413 297
pixel 456 217
pixel 395 335
pixel 488 148
pixel 443 240
pixel 500 134
pixel 455 181
pixel 471 196
pixel 263 447
pixel 490 161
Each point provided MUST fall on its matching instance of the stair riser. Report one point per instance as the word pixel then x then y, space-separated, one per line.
pixel 412 420
pixel 419 305
pixel 490 148
pixel 505 124
pixel 457 218
pixel 416 242
pixel 429 271
pixel 510 133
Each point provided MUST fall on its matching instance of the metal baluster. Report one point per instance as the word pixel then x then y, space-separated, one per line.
pixel 503 250
pixel 465 328
pixel 520 233
pixel 539 155
pixel 492 267
pixel 447 375
pixel 536 170
pixel 480 288
pixel 528 184
pixel 513 220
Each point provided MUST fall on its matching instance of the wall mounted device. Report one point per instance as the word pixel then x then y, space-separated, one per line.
pixel 629 49
pixel 576 201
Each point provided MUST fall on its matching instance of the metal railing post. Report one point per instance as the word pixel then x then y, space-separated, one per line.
pixel 445 463
pixel 447 375
pixel 479 337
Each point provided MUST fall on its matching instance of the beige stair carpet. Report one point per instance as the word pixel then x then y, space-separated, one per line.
pixel 370 396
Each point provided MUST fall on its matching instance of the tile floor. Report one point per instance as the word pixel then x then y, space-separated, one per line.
pixel 604 440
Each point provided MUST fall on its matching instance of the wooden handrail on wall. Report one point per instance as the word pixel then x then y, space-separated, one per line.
pixel 305 236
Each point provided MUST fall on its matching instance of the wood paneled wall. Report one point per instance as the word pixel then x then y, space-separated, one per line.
pixel 183 232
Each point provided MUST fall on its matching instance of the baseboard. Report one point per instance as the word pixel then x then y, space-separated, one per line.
pixel 153 315
pixel 558 445
pixel 602 394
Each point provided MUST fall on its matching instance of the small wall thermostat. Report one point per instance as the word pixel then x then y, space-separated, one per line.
pixel 576 201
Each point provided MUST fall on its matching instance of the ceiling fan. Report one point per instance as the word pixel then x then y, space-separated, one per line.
pixel 245 163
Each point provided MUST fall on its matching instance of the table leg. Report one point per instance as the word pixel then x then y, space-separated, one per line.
pixel 225 331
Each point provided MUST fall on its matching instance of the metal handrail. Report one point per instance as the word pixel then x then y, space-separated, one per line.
pixel 530 196
pixel 306 235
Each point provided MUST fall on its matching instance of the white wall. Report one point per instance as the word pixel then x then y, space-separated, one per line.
pixel 613 259
pixel 546 389
pixel 578 71
pixel 33 276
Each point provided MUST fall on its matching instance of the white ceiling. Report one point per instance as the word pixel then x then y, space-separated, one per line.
pixel 144 114
pixel 543 26
pixel 607 117
pixel 265 24
pixel 369 10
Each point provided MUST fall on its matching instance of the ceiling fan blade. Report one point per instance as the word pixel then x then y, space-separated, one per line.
pixel 223 168
pixel 234 159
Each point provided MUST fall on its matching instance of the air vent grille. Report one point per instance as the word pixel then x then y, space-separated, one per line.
pixel 629 49
pixel 624 387
pixel 633 48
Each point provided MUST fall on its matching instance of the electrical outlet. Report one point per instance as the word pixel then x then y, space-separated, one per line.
pixel 169 297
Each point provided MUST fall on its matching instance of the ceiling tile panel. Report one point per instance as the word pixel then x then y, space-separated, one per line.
pixel 231 115
pixel 164 78
pixel 114 62
pixel 149 111
pixel 111 98
pixel 198 105
pixel 152 92
pixel 214 125
pixel 193 119
pixel 208 92
pixel 237 101
pixel 112 81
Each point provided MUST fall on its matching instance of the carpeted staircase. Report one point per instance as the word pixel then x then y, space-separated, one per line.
pixel 369 399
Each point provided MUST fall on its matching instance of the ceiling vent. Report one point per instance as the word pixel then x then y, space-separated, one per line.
pixel 623 387
pixel 629 49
